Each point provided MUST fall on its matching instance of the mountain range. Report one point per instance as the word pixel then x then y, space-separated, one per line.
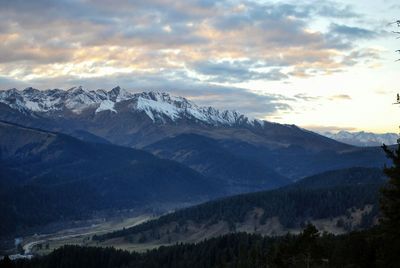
pixel 363 138
pixel 139 120
pixel 86 152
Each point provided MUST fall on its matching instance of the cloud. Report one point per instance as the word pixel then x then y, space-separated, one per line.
pixel 161 33
pixel 364 56
pixel 186 47
pixel 7 83
pixel 352 32
pixel 306 97
pixel 340 97
pixel 333 9
pixel 237 71
pixel 200 49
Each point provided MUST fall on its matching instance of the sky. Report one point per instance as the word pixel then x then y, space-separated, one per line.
pixel 322 65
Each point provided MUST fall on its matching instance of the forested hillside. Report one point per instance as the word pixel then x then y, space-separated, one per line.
pixel 326 196
pixel 47 176
pixel 309 249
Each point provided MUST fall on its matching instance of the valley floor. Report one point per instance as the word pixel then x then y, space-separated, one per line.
pixel 45 243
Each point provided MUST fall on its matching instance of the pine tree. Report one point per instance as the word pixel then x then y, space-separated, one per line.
pixel 6 262
pixel 390 198
pixel 390 207
pixel 308 244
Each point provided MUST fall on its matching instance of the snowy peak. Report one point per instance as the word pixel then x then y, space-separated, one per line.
pixel 160 107
pixel 118 94
pixel 76 99
pixel 362 138
pixel 155 99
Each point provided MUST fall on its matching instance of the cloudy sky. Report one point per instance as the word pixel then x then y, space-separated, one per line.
pixel 318 64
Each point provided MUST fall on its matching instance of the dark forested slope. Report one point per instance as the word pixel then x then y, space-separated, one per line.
pixel 325 196
pixel 308 249
pixel 46 176
pixel 210 158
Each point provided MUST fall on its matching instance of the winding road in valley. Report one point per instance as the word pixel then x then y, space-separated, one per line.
pixel 81 232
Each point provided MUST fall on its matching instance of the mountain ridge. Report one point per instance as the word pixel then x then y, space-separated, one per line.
pixel 156 105
pixel 363 138
pixel 341 200
pixel 192 150
pixel 49 176
pixel 139 119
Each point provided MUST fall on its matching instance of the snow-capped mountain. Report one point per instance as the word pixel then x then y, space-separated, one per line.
pixel 138 119
pixel 159 107
pixel 362 138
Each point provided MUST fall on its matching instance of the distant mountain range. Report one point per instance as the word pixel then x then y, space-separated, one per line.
pixel 362 138
pixel 86 152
